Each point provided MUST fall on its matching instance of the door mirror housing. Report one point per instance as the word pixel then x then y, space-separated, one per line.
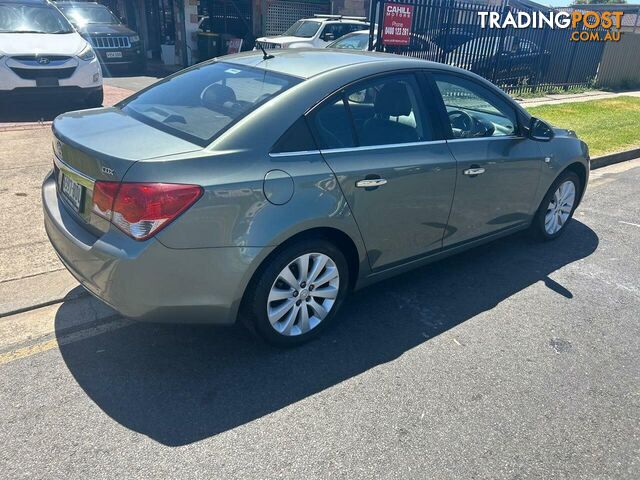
pixel 329 37
pixel 540 130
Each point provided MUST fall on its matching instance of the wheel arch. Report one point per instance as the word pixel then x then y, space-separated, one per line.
pixel 581 171
pixel 338 237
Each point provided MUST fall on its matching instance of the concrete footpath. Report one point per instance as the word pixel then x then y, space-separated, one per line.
pixel 574 98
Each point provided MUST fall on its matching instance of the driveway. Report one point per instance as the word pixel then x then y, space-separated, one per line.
pixel 514 360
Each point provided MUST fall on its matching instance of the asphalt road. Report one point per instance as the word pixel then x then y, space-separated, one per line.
pixel 513 360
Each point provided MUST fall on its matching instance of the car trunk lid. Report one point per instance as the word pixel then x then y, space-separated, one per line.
pixel 101 145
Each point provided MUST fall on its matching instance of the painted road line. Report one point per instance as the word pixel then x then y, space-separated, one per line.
pixel 32 332
pixel 47 345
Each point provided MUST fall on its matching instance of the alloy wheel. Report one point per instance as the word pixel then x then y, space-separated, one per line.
pixel 560 207
pixel 303 294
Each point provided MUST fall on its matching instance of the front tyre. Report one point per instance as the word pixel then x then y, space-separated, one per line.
pixel 557 207
pixel 299 292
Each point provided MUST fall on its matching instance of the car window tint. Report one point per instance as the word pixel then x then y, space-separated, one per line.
pixel 296 139
pixel 201 102
pixel 333 126
pixel 474 111
pixel 387 111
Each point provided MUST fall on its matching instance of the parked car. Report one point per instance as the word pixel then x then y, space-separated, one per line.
pixel 512 62
pixel 315 32
pixel 41 53
pixel 358 40
pixel 268 190
pixel 116 44
pixel 420 46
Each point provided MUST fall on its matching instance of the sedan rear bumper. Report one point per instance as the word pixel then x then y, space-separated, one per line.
pixel 146 280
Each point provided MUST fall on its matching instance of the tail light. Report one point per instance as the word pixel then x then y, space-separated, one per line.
pixel 142 209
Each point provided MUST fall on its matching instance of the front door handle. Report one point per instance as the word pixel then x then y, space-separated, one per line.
pixel 371 183
pixel 474 171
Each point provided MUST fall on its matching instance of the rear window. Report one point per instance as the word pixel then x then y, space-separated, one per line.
pixel 200 103
pixel 302 28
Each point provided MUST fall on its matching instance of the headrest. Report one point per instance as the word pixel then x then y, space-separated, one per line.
pixel 217 95
pixel 393 100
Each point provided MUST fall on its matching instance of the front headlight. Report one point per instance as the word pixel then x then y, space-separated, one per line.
pixel 134 39
pixel 87 54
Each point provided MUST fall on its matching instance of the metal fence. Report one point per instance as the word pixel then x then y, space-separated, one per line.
pixel 518 60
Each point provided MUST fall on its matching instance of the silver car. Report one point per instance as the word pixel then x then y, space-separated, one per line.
pixel 267 187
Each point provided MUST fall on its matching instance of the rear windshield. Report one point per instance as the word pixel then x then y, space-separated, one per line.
pixel 32 19
pixel 302 28
pixel 86 15
pixel 200 103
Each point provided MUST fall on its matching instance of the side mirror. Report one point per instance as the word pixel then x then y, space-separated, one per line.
pixel 329 37
pixel 539 130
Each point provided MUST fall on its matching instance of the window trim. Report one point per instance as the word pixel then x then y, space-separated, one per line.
pixel 441 107
pixel 423 97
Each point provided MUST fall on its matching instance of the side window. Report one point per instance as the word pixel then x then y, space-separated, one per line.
pixel 333 125
pixel 296 139
pixel 335 30
pixel 473 110
pixel 387 111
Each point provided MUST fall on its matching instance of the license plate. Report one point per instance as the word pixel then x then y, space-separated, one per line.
pixel 72 191
pixel 47 82
pixel 114 54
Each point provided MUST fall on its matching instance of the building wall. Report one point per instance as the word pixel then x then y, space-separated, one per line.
pixel 358 8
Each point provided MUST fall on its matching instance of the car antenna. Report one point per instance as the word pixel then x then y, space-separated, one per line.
pixel 265 55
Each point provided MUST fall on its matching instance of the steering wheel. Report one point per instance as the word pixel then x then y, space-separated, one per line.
pixel 461 120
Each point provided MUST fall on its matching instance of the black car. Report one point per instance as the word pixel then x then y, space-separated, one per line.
pixel 509 60
pixel 114 42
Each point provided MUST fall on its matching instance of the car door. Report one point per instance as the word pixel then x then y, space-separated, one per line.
pixel 392 163
pixel 498 168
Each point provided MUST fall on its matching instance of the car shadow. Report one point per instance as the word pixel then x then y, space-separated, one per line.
pixel 33 109
pixel 179 384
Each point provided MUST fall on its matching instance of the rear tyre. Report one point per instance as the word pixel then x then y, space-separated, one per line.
pixel 557 207
pixel 95 99
pixel 297 295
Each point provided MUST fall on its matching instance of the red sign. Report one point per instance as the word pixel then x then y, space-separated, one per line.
pixel 235 45
pixel 396 25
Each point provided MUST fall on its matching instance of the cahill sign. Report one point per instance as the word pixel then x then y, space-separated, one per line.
pixel 396 24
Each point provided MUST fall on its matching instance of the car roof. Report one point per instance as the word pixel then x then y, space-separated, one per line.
pixel 309 62
pixel 332 19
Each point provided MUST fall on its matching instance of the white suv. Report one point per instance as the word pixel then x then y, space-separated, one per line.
pixel 41 53
pixel 316 32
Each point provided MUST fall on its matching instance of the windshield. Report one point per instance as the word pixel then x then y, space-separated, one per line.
pixel 200 103
pixel 86 15
pixel 355 41
pixel 32 19
pixel 302 28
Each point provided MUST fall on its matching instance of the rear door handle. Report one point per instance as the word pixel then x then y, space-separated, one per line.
pixel 474 171
pixel 371 182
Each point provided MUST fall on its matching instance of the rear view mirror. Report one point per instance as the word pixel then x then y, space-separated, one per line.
pixel 539 130
pixel 329 37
